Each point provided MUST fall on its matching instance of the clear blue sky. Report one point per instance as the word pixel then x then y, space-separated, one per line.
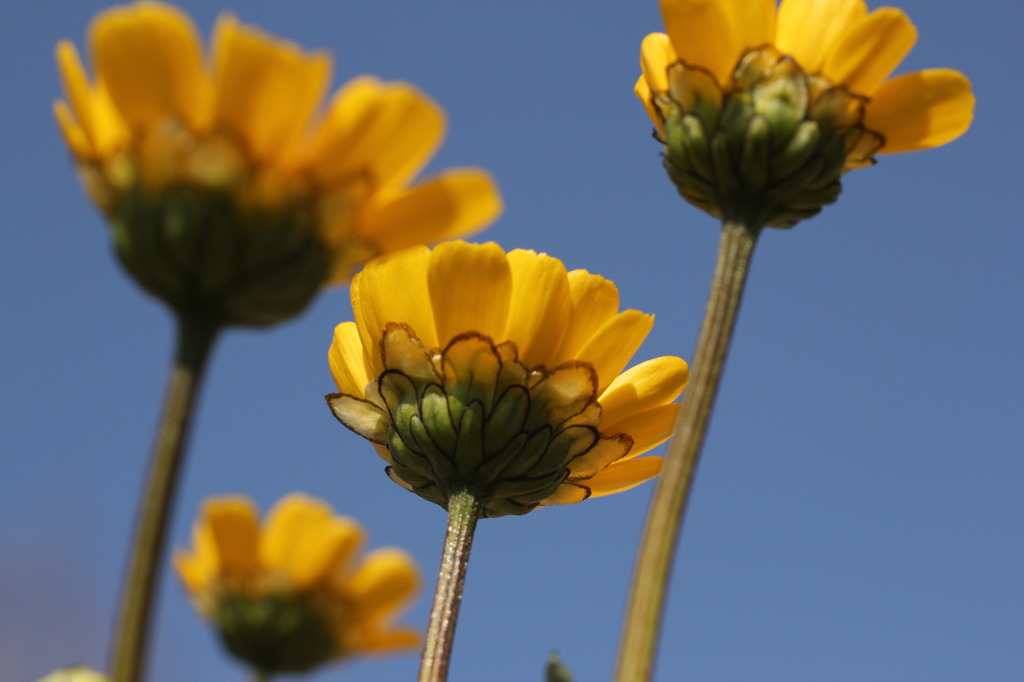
pixel 858 512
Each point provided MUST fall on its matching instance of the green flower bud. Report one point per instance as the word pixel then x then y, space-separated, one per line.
pixel 203 250
pixel 556 670
pixel 275 633
pixel 771 149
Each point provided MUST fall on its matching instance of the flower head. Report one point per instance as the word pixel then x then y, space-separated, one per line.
pixel 502 375
pixel 225 184
pixel 74 674
pixel 762 110
pixel 289 595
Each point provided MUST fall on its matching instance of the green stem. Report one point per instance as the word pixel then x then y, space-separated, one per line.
pixel 664 520
pixel 195 340
pixel 463 512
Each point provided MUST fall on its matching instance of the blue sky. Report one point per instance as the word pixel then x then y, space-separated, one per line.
pixel 857 514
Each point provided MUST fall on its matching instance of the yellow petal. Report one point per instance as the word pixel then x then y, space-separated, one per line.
pixel 389 641
pixel 469 287
pixel 385 454
pixel 201 567
pixel 871 50
pixel 595 300
pixel 265 89
pixel 921 110
pixel 386 581
pixel 74 135
pixel 384 131
pixel 540 306
pixel 347 140
pixel 809 30
pixel 149 57
pixel 641 387
pixel 614 344
pixel 286 522
pixel 324 550
pixel 346 358
pixel 623 476
pixel 302 539
pixel 412 141
pixel 702 35
pixel 454 203
pixel 643 91
pixel 234 526
pixel 392 288
pixel 648 429
pixel 656 53
pixel 567 493
pixel 76 85
pixel 193 570
pixel 337 214
pixel 92 114
pixel 752 22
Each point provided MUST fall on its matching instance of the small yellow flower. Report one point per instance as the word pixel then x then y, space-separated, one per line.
pixel 289 595
pixel 74 674
pixel 762 109
pixel 501 375
pixel 225 184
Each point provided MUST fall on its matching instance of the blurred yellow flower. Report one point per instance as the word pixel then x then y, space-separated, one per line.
pixel 290 595
pixel 802 93
pixel 501 375
pixel 223 179
pixel 74 674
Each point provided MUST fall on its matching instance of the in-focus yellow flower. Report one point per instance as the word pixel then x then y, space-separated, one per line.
pixel 225 183
pixel 762 109
pixel 290 595
pixel 500 375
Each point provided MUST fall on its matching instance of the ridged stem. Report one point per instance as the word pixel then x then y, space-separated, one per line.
pixel 463 512
pixel 644 610
pixel 128 657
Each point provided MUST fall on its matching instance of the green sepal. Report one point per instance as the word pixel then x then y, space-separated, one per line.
pixel 799 148
pixel 506 420
pixel 754 159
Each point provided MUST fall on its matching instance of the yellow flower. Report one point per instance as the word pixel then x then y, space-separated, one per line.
pixel 225 183
pixel 74 674
pixel 502 375
pixel 289 595
pixel 796 97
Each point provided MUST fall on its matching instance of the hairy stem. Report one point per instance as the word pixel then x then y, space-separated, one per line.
pixel 463 512
pixel 642 622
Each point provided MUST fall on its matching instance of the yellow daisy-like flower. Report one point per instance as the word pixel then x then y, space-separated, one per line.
pixel 762 109
pixel 500 375
pixel 225 184
pixel 289 595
